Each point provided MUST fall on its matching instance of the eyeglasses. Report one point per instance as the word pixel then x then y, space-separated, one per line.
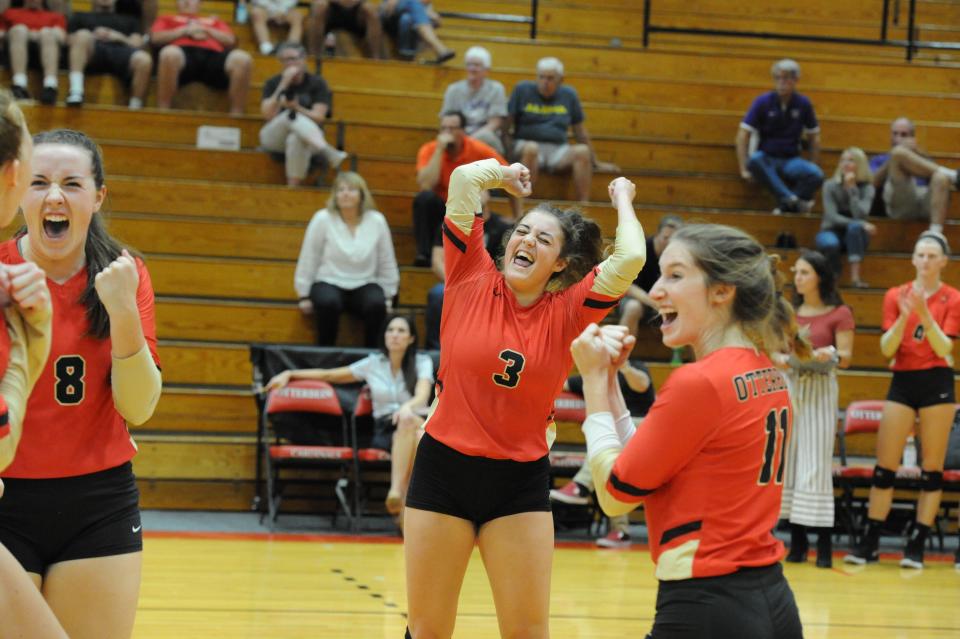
pixel 291 58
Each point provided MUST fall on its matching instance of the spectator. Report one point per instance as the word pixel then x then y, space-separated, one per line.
pixel 436 160
pixel 295 104
pixel 31 28
pixel 912 185
pixel 103 41
pixel 483 102
pixel 494 228
pixel 199 49
pixel 400 381
pixel 638 393
pixel 359 17
pixel 347 262
pixel 281 12
pixel 847 198
pixel 540 113
pixel 637 304
pixel 406 20
pixel 779 119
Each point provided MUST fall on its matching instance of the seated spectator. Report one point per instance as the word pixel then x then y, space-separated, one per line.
pixel 540 113
pixel 494 228
pixel 436 160
pixel 400 381
pixel 913 187
pixel 408 20
pixel 637 304
pixel 359 17
pixel 847 198
pixel 32 31
pixel 295 104
pixel 281 12
pixel 103 41
pixel 347 262
pixel 639 394
pixel 194 48
pixel 482 101
pixel 779 119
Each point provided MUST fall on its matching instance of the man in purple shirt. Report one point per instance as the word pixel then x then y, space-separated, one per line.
pixel 913 186
pixel 778 120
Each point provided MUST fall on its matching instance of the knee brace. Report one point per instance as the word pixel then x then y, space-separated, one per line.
pixel 883 477
pixel 931 481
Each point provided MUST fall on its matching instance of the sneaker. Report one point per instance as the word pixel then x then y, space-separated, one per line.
pixel 19 92
pixel 913 554
pixel 266 48
pixel 789 205
pixel 48 95
pixel 74 99
pixel 866 552
pixel 573 494
pixel 805 206
pixel 614 539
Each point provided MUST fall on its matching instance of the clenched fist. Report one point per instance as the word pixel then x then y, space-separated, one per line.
pixel 117 284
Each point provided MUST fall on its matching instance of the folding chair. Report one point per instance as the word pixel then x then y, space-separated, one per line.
pixel 860 421
pixel 569 407
pixel 305 428
pixel 366 458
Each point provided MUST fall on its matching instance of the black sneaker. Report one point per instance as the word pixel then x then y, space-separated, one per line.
pixel 48 95
pixel 19 92
pixel 824 551
pixel 913 554
pixel 866 552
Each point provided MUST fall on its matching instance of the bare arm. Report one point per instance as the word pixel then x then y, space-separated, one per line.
pixel 637 380
pixel 844 348
pixel 743 143
pixel 581 135
pixel 814 139
pixel 890 340
pixel 429 175
pixel 342 375
pixel 437 265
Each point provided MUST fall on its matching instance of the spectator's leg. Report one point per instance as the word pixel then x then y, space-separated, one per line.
pixel 856 239
pixel 80 45
pixel 764 171
pixel 428 212
pixel 369 16
pixel 940 185
pixel 828 243
pixel 584 477
pixel 311 134
pixel 406 36
pixel 141 64
pixel 169 66
pixel 51 39
pixel 370 303
pixel 530 158
pixel 434 313
pixel 18 38
pixel 327 305
pixel 295 20
pixel 905 162
pixel 631 312
pixel 420 23
pixel 317 26
pixel 804 177
pixel 578 159
pixel 237 68
pixel 296 158
pixel 148 14
pixel 258 22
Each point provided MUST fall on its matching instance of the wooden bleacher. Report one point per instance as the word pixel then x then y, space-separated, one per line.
pixel 221 234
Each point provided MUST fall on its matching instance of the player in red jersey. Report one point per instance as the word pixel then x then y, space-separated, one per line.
pixel 481 474
pixel 920 319
pixel 707 462
pixel 24 347
pixel 70 514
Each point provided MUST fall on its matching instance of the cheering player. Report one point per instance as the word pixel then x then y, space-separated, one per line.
pixel 70 514
pixel 708 459
pixel 481 473
pixel 920 320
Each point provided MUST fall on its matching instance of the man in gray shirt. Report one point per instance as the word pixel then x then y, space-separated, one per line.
pixel 482 101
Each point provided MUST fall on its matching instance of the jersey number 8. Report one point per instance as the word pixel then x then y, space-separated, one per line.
pixel 69 371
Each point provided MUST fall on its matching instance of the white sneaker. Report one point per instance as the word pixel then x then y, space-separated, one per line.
pixel 266 48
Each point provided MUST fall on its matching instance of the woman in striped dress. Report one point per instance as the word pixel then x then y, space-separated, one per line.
pixel 808 487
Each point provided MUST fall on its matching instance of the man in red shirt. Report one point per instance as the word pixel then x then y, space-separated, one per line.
pixel 34 29
pixel 198 49
pixel 436 160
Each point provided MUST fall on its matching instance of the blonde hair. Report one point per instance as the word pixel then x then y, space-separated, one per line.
pixel 12 127
pixel 351 179
pixel 864 174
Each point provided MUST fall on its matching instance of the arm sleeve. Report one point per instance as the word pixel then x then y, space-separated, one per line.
pixel 832 216
pixel 388 273
pixel 619 271
pixel 310 251
pixel 845 321
pixel 464 253
pixel 861 204
pixel 810 123
pixel 754 116
pixel 136 380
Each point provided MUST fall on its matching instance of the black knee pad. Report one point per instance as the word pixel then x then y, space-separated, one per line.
pixel 931 481
pixel 883 477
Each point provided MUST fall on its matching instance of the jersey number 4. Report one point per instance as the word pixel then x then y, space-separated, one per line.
pixel 510 376
pixel 69 371
pixel 776 421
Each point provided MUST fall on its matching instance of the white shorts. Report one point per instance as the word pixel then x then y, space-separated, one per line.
pixel 275 8
pixel 905 199
pixel 549 154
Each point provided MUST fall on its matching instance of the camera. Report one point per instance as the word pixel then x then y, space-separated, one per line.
pixel 290 95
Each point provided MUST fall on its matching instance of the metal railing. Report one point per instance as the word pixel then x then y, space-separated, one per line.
pixel 911 45
pixel 500 17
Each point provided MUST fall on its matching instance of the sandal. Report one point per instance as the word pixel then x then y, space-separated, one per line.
pixel 449 54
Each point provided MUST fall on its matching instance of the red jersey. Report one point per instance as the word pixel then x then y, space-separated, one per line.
pixel 72 427
pixel 915 352
pixel 473 150
pixel 5 343
pixel 34 19
pixel 502 365
pixel 707 462
pixel 171 22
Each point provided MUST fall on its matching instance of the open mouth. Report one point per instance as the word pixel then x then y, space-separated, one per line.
pixel 55 225
pixel 667 318
pixel 522 259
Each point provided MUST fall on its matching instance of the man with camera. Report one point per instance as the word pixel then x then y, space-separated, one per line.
pixel 295 104
pixel 436 160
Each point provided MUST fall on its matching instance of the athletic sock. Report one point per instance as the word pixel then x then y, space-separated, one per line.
pixel 20 79
pixel 76 82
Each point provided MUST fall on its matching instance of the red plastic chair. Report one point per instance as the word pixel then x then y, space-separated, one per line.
pixel 365 458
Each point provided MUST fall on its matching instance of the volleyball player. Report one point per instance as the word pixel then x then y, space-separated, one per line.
pixel 70 514
pixel 481 473
pixel 920 321
pixel 708 459
pixel 22 356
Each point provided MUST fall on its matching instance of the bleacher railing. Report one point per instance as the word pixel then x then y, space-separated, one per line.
pixel 500 17
pixel 911 45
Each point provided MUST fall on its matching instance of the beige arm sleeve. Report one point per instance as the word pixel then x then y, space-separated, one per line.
pixel 618 271
pixel 136 385
pixel 467 182
pixel 601 465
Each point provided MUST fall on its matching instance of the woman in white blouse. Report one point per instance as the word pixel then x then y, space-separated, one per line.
pixel 400 381
pixel 347 262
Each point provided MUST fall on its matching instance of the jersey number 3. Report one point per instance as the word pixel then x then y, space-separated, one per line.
pixel 510 376
pixel 69 371
pixel 770 450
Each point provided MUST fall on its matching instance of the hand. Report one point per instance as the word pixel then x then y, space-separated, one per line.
pixel 306 307
pixel 444 140
pixel 907 302
pixel 102 33
pixel 516 180
pixel 290 105
pixel 919 302
pixel 287 76
pixel 850 180
pixel 590 352
pixel 621 188
pixel 117 284
pixel 27 284
pixel 746 175
pixel 870 228
pixel 197 32
pixel 279 380
pixel 619 343
pixel 825 354
pixel 781 360
pixel 404 413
